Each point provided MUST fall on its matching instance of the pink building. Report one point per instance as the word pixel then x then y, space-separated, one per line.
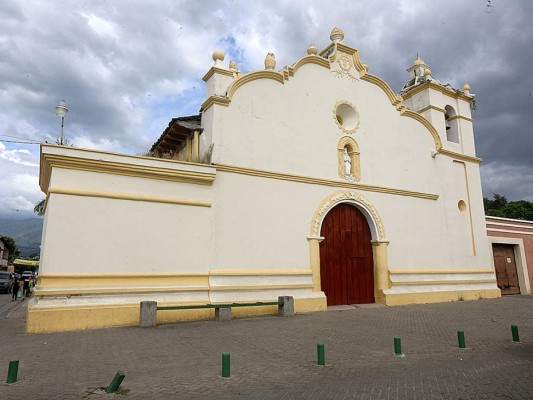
pixel 512 253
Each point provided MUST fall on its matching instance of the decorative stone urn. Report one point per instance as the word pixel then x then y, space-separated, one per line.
pixel 270 61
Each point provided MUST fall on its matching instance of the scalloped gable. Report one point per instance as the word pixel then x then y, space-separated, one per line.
pixel 327 57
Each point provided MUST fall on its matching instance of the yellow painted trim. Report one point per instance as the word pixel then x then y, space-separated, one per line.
pixel 469 204
pixel 460 117
pixel 92 281
pixel 443 282
pixel 221 101
pixel 431 85
pixel 59 319
pixel 128 196
pixel 309 59
pixel 196 146
pixel 324 182
pixel 397 101
pixel 252 76
pixel 431 107
pixel 259 272
pixel 441 271
pixel 121 290
pixel 420 118
pixel 217 70
pixel 345 196
pixel 459 156
pixel 260 287
pixel 50 161
pixel 121 276
pixel 438 297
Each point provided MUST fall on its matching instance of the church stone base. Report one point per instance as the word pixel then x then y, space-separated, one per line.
pixel 58 319
pixel 440 296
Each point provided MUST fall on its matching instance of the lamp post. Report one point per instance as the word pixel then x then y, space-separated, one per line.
pixel 61 111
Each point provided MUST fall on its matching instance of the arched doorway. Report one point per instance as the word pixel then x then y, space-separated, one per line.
pixel 346 261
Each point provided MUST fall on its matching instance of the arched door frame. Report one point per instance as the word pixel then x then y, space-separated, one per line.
pixel 379 241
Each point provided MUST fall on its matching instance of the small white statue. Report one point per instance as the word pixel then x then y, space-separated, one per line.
pixel 347 163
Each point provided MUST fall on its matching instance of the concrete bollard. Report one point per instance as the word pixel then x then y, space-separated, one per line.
pixel 148 316
pixel 223 314
pixel 287 308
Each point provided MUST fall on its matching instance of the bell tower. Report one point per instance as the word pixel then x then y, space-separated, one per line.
pixel 447 108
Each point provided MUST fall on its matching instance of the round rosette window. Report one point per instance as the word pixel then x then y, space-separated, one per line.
pixel 346 116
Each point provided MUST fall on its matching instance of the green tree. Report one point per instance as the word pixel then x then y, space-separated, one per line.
pixel 501 207
pixel 39 207
pixel 12 247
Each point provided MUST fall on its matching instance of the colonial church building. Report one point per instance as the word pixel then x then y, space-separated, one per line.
pixel 315 180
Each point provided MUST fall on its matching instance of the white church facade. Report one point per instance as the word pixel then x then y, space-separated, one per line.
pixel 315 181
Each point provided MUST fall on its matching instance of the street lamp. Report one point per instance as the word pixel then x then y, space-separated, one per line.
pixel 61 111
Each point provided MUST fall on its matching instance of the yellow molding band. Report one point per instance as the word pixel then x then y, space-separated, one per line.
pixel 441 296
pixel 92 281
pixel 107 276
pixel 441 271
pixel 221 101
pixel 324 182
pixel 459 156
pixel 49 161
pixel 432 107
pixel 128 196
pixel 259 272
pixel 252 76
pixel 443 282
pixel 218 70
pixel 260 287
pixel 107 290
pixel 460 117
pixel 310 59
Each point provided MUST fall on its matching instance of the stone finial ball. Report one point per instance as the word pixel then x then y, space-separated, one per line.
pixel 312 50
pixel 466 86
pixel 218 55
pixel 427 72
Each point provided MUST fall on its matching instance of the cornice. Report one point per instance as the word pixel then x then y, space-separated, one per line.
pixel 49 161
pixel 217 70
pixel 221 101
pixel 431 107
pixel 431 85
pixel 323 182
pixel 459 156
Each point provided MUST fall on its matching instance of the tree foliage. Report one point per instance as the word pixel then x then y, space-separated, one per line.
pixel 12 247
pixel 39 207
pixel 501 207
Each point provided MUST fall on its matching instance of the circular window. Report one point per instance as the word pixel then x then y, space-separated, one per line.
pixel 461 205
pixel 346 116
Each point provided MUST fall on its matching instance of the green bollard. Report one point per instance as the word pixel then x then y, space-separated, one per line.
pixel 115 383
pixel 13 371
pixel 514 330
pixel 321 353
pixel 461 339
pixel 398 347
pixel 225 365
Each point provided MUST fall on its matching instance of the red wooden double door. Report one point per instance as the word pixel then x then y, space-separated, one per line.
pixel 346 262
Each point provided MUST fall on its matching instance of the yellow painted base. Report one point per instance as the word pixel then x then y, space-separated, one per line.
pixel 43 320
pixel 439 297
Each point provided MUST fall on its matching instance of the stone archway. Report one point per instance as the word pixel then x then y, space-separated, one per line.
pixel 377 232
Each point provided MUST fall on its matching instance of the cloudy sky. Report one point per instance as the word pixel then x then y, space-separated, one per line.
pixel 125 68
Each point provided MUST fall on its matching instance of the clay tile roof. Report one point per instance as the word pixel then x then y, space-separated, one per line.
pixel 177 131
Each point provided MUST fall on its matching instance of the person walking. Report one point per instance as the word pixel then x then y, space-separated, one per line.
pixel 15 289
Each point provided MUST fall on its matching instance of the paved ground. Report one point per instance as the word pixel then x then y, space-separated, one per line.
pixel 275 358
